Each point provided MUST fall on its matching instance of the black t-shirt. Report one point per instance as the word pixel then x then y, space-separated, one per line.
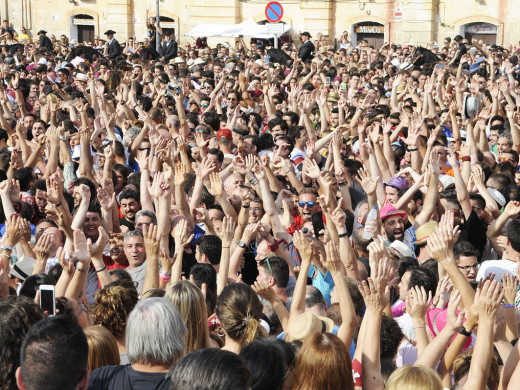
pixel 474 230
pixel 125 222
pixel 126 378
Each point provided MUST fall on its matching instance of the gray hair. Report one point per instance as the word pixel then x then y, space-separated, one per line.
pixel 132 134
pixel 358 208
pixel 147 213
pixel 133 233
pixel 155 333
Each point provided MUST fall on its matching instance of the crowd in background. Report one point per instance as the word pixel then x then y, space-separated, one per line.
pixel 323 216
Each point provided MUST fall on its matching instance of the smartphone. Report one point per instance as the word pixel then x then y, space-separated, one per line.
pixel 327 80
pixel 317 223
pixel 47 299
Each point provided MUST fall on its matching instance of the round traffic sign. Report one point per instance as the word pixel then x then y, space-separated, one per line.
pixel 274 12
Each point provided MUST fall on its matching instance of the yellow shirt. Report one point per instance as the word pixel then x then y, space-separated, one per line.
pixel 23 37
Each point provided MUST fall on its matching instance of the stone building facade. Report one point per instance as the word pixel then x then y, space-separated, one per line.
pixel 403 21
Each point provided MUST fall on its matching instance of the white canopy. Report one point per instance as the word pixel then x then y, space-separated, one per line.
pixel 249 29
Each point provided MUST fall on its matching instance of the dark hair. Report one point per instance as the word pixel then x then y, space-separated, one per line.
pixel 211 246
pixel 218 153
pixel 17 315
pixel 54 354
pixel 33 282
pixel 91 186
pixel 128 194
pixel 205 273
pixel 465 248
pixel 24 176
pixel 210 368
pixel 268 362
pixel 278 268
pixel 314 297
pixel 420 276
pixel 513 234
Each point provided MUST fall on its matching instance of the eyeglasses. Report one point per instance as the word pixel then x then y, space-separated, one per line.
pixel 257 209
pixel 303 204
pixel 466 268
pixel 503 159
pixel 206 87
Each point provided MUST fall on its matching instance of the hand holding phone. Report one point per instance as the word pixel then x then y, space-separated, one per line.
pixel 47 299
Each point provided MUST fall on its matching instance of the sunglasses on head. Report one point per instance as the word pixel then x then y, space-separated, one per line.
pixel 303 204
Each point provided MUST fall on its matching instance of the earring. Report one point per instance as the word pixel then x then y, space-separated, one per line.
pixel 219 331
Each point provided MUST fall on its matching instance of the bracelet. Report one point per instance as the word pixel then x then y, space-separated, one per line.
pixel 343 235
pixel 81 270
pixel 412 149
pixel 225 247
pixel 434 304
pixel 510 306
pixel 466 159
pixel 464 332
pixel 102 268
pixel 58 204
pixel 164 278
pixel 245 206
pixel 419 327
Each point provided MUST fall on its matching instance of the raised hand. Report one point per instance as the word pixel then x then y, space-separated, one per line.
pixel 417 302
pixel 96 249
pixel 303 244
pixel 332 261
pixel 454 319
pixel 180 174
pixel 487 300
pixel 81 248
pixel 215 187
pixel 181 234
pixel 369 184
pixel 510 284
pixel 43 247
pixel 262 288
pixel 227 231
pixel 151 241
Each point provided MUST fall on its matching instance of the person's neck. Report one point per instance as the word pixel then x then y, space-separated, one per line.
pixel 151 368
pixel 232 345
pixel 121 343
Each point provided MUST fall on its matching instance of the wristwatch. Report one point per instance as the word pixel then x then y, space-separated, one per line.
pixel 242 245
pixel 6 248
pixel 62 138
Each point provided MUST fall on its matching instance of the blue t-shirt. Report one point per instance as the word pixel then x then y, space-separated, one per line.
pixel 324 283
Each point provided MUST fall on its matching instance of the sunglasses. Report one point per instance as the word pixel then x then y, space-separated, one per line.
pixel 502 159
pixel 303 204
pixel 266 261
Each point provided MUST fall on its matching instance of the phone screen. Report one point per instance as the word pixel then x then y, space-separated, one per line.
pixel 47 302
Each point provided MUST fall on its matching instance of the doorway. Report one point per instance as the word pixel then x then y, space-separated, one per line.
pixel 372 32
pixel 82 28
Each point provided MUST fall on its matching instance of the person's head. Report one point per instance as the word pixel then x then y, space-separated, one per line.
pixel 513 234
pixel 417 276
pixel 414 378
pixel 112 307
pixel 256 210
pixel 323 361
pixel 92 222
pixel 466 258
pixel 461 366
pixel 315 302
pixel 129 202
pixel 155 333
pixel 307 200
pixel 210 368
pixel 274 270
pixel 54 355
pixel 134 248
pixel 188 298
pixel 102 348
pixel 503 144
pixel 394 227
pixel 239 311
pixel 209 249
pixel 17 316
pixel 32 284
pixel 270 362
pixel 144 218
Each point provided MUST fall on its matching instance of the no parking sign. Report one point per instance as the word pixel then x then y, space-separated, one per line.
pixel 274 12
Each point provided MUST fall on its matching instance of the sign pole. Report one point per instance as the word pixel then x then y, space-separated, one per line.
pixel 157 34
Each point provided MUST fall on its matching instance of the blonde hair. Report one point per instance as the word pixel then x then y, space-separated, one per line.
pixel 414 378
pixel 102 348
pixel 188 298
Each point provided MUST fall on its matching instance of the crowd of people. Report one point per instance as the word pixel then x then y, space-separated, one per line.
pixel 323 216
